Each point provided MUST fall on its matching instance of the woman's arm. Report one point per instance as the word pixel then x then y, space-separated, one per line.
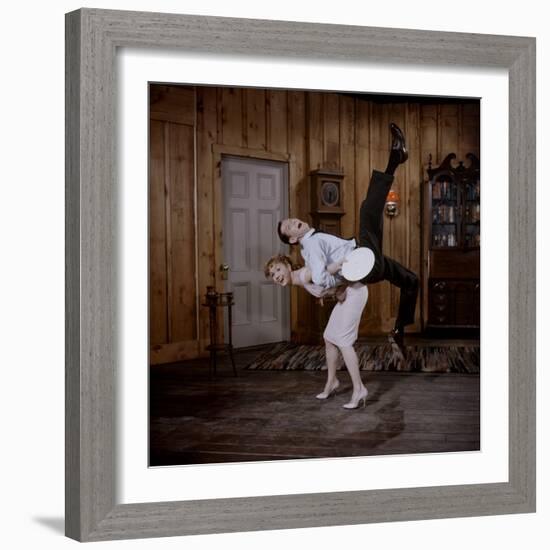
pixel 340 293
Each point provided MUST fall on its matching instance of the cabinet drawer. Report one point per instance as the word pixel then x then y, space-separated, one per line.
pixel 440 298
pixel 453 302
pixel 440 286
pixel 440 319
pixel 438 309
pixel 440 314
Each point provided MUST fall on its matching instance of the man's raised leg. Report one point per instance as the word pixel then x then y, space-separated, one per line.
pixel 371 226
pixel 408 284
pixel 371 219
pixel 371 214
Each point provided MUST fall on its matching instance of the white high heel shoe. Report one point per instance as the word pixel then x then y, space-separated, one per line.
pixel 325 394
pixel 354 403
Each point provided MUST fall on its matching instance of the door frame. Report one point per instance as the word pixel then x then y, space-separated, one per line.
pixel 220 152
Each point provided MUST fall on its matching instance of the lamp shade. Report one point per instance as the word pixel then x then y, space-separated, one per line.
pixel 393 196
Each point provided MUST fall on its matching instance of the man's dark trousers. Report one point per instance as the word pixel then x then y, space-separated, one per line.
pixel 371 225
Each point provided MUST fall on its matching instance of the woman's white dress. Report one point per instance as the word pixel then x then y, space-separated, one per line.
pixel 343 325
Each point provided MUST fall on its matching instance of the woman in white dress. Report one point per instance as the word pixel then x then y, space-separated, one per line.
pixel 343 325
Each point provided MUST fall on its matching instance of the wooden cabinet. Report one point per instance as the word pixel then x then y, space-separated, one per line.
pixel 451 244
pixel 454 303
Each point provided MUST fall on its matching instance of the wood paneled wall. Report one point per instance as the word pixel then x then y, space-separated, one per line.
pixel 173 274
pixel 310 130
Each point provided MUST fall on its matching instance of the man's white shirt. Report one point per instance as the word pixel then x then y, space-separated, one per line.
pixel 321 249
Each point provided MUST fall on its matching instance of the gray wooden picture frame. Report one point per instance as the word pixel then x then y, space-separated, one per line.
pixel 92 39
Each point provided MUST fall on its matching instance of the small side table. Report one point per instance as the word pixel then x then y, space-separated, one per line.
pixel 213 301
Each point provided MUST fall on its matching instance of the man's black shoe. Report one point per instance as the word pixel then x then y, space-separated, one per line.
pixel 398 147
pixel 397 337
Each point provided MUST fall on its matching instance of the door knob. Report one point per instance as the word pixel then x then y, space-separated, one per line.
pixel 224 270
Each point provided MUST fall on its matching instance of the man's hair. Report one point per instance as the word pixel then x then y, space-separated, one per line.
pixel 282 236
pixel 278 258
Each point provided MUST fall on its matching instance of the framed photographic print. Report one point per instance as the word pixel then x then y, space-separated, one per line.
pixel 209 160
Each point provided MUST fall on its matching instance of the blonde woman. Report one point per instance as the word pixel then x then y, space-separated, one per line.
pixel 342 328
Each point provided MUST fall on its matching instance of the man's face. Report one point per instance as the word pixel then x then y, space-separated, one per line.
pixel 280 273
pixel 294 229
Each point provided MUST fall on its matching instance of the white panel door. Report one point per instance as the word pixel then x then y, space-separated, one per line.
pixel 255 199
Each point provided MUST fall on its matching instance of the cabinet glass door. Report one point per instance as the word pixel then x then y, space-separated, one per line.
pixel 445 212
pixel 470 220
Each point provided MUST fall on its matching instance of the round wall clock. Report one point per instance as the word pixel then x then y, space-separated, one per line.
pixel 330 193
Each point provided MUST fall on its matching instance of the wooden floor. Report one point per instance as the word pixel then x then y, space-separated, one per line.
pixel 273 415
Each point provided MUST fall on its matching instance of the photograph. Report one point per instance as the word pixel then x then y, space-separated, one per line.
pixel 314 274
pixel 277 264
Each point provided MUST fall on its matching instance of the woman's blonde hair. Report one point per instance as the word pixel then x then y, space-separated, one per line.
pixel 278 258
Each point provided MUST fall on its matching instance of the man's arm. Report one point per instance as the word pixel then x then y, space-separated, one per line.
pixel 339 292
pixel 317 263
pixel 319 252
pixel 335 267
pixel 332 268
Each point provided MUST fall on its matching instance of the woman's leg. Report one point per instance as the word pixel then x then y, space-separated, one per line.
pixel 352 364
pixel 331 352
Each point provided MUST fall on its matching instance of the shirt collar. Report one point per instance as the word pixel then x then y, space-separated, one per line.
pixel 307 235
